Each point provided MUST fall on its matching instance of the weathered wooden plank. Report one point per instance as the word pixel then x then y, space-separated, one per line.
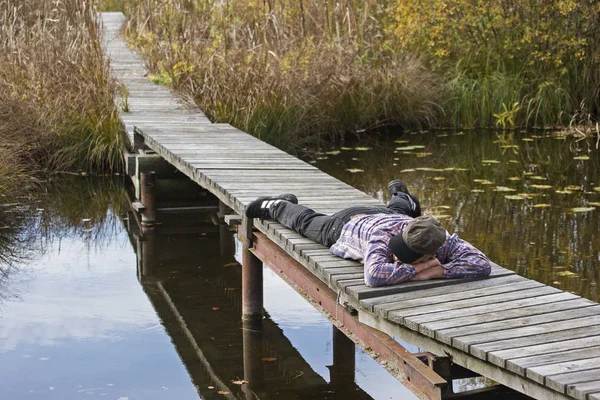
pixel 481 350
pixel 560 381
pixel 446 335
pixel 464 342
pixel 538 374
pixel 520 365
pixel 581 390
pixel 500 357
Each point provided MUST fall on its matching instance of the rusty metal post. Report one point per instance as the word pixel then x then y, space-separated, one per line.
pixel 252 276
pixel 148 197
pixel 344 360
pixel 253 351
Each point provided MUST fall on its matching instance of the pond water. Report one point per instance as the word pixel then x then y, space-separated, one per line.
pixel 531 202
pixel 93 308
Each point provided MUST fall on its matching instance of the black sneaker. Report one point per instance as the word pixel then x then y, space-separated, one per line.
pixel 397 186
pixel 259 208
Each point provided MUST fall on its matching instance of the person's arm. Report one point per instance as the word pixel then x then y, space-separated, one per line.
pixel 460 259
pixel 380 268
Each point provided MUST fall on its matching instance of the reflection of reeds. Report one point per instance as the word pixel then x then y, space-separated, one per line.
pixel 56 100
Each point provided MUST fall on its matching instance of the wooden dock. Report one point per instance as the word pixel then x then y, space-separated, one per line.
pixel 533 338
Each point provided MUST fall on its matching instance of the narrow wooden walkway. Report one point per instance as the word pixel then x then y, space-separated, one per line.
pixel 533 338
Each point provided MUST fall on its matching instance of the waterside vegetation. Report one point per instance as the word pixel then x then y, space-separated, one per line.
pixel 295 71
pixel 56 97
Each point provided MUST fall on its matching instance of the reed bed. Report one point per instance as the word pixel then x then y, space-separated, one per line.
pixel 292 73
pixel 56 96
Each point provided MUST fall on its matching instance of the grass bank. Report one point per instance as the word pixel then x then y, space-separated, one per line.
pixel 56 97
pixel 293 72
pixel 289 72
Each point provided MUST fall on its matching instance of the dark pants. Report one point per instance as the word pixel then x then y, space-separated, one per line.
pixel 325 229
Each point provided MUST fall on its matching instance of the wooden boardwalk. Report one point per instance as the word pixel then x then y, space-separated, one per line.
pixel 528 336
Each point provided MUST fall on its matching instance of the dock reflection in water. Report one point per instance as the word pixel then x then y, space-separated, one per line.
pixel 194 283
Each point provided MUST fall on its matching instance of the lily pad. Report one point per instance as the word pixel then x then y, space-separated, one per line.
pixel 581 158
pixel 504 189
pixel 541 186
pixel 354 170
pixel 514 197
pixel 582 209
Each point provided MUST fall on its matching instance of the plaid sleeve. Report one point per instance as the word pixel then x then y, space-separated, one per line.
pixel 379 271
pixel 460 259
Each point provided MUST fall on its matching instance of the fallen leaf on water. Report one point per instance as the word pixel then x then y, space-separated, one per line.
pixel 334 152
pixel 573 187
pixel 581 158
pixel 442 135
pixel 483 181
pixel 421 155
pixel 513 161
pixel 86 220
pixel 401 141
pixel 239 382
pixel 527 139
pixel 537 178
pixel 269 359
pixel 406 148
pixel 556 283
pixel 354 170
pixel 541 205
pixel 408 170
pixel 514 197
pixel 215 308
pixel 362 148
pixel 597 188
pixel 564 192
pixel 594 203
pixel 223 392
pixel 541 186
pixel 477 190
pixel 346 148
pixel 504 189
pixel 211 387
pixel 566 273
pixel 459 134
pixel 438 178
pixel 582 209
pixel 490 162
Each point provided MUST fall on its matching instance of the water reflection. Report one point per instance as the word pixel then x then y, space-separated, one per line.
pixel 101 305
pixel 530 202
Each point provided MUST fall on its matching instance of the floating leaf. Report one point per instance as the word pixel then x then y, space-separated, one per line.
pixel 581 158
pixel 461 169
pixel 504 189
pixel 346 148
pixel 442 135
pixel 362 148
pixel 334 152
pixel 459 134
pixel 597 188
pixel 595 204
pixel 477 190
pixel 514 197
pixel 557 283
pixel 401 141
pixel 513 161
pixel 582 209
pixel 355 159
pixel 541 205
pixel 421 155
pixel 215 308
pixel 408 170
pixel 322 158
pixel 527 139
pixel 269 359
pixel 567 273
pixel 541 186
pixel 573 187
pixel 564 192
pixel 354 170
pixel 514 178
pixel 483 181
pixel 560 137
pixel 528 173
pixel 224 393
pixel 86 220
pixel 211 387
pixel 438 178
pixel 509 146
pixel 528 195
pixel 241 382
pixel 490 161
pixel 537 178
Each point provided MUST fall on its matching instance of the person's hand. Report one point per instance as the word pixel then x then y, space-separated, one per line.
pixel 423 265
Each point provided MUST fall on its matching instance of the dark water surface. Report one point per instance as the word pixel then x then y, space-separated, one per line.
pixel 93 308
pixel 530 202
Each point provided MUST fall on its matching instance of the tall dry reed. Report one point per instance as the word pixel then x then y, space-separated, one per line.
pixel 290 72
pixel 56 101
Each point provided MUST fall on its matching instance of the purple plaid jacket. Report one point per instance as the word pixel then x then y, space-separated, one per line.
pixel 366 237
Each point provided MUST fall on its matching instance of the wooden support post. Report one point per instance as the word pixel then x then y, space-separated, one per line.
pixel 252 276
pixel 148 252
pixel 138 140
pixel 344 361
pixel 253 348
pixel 225 237
pixel 148 197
